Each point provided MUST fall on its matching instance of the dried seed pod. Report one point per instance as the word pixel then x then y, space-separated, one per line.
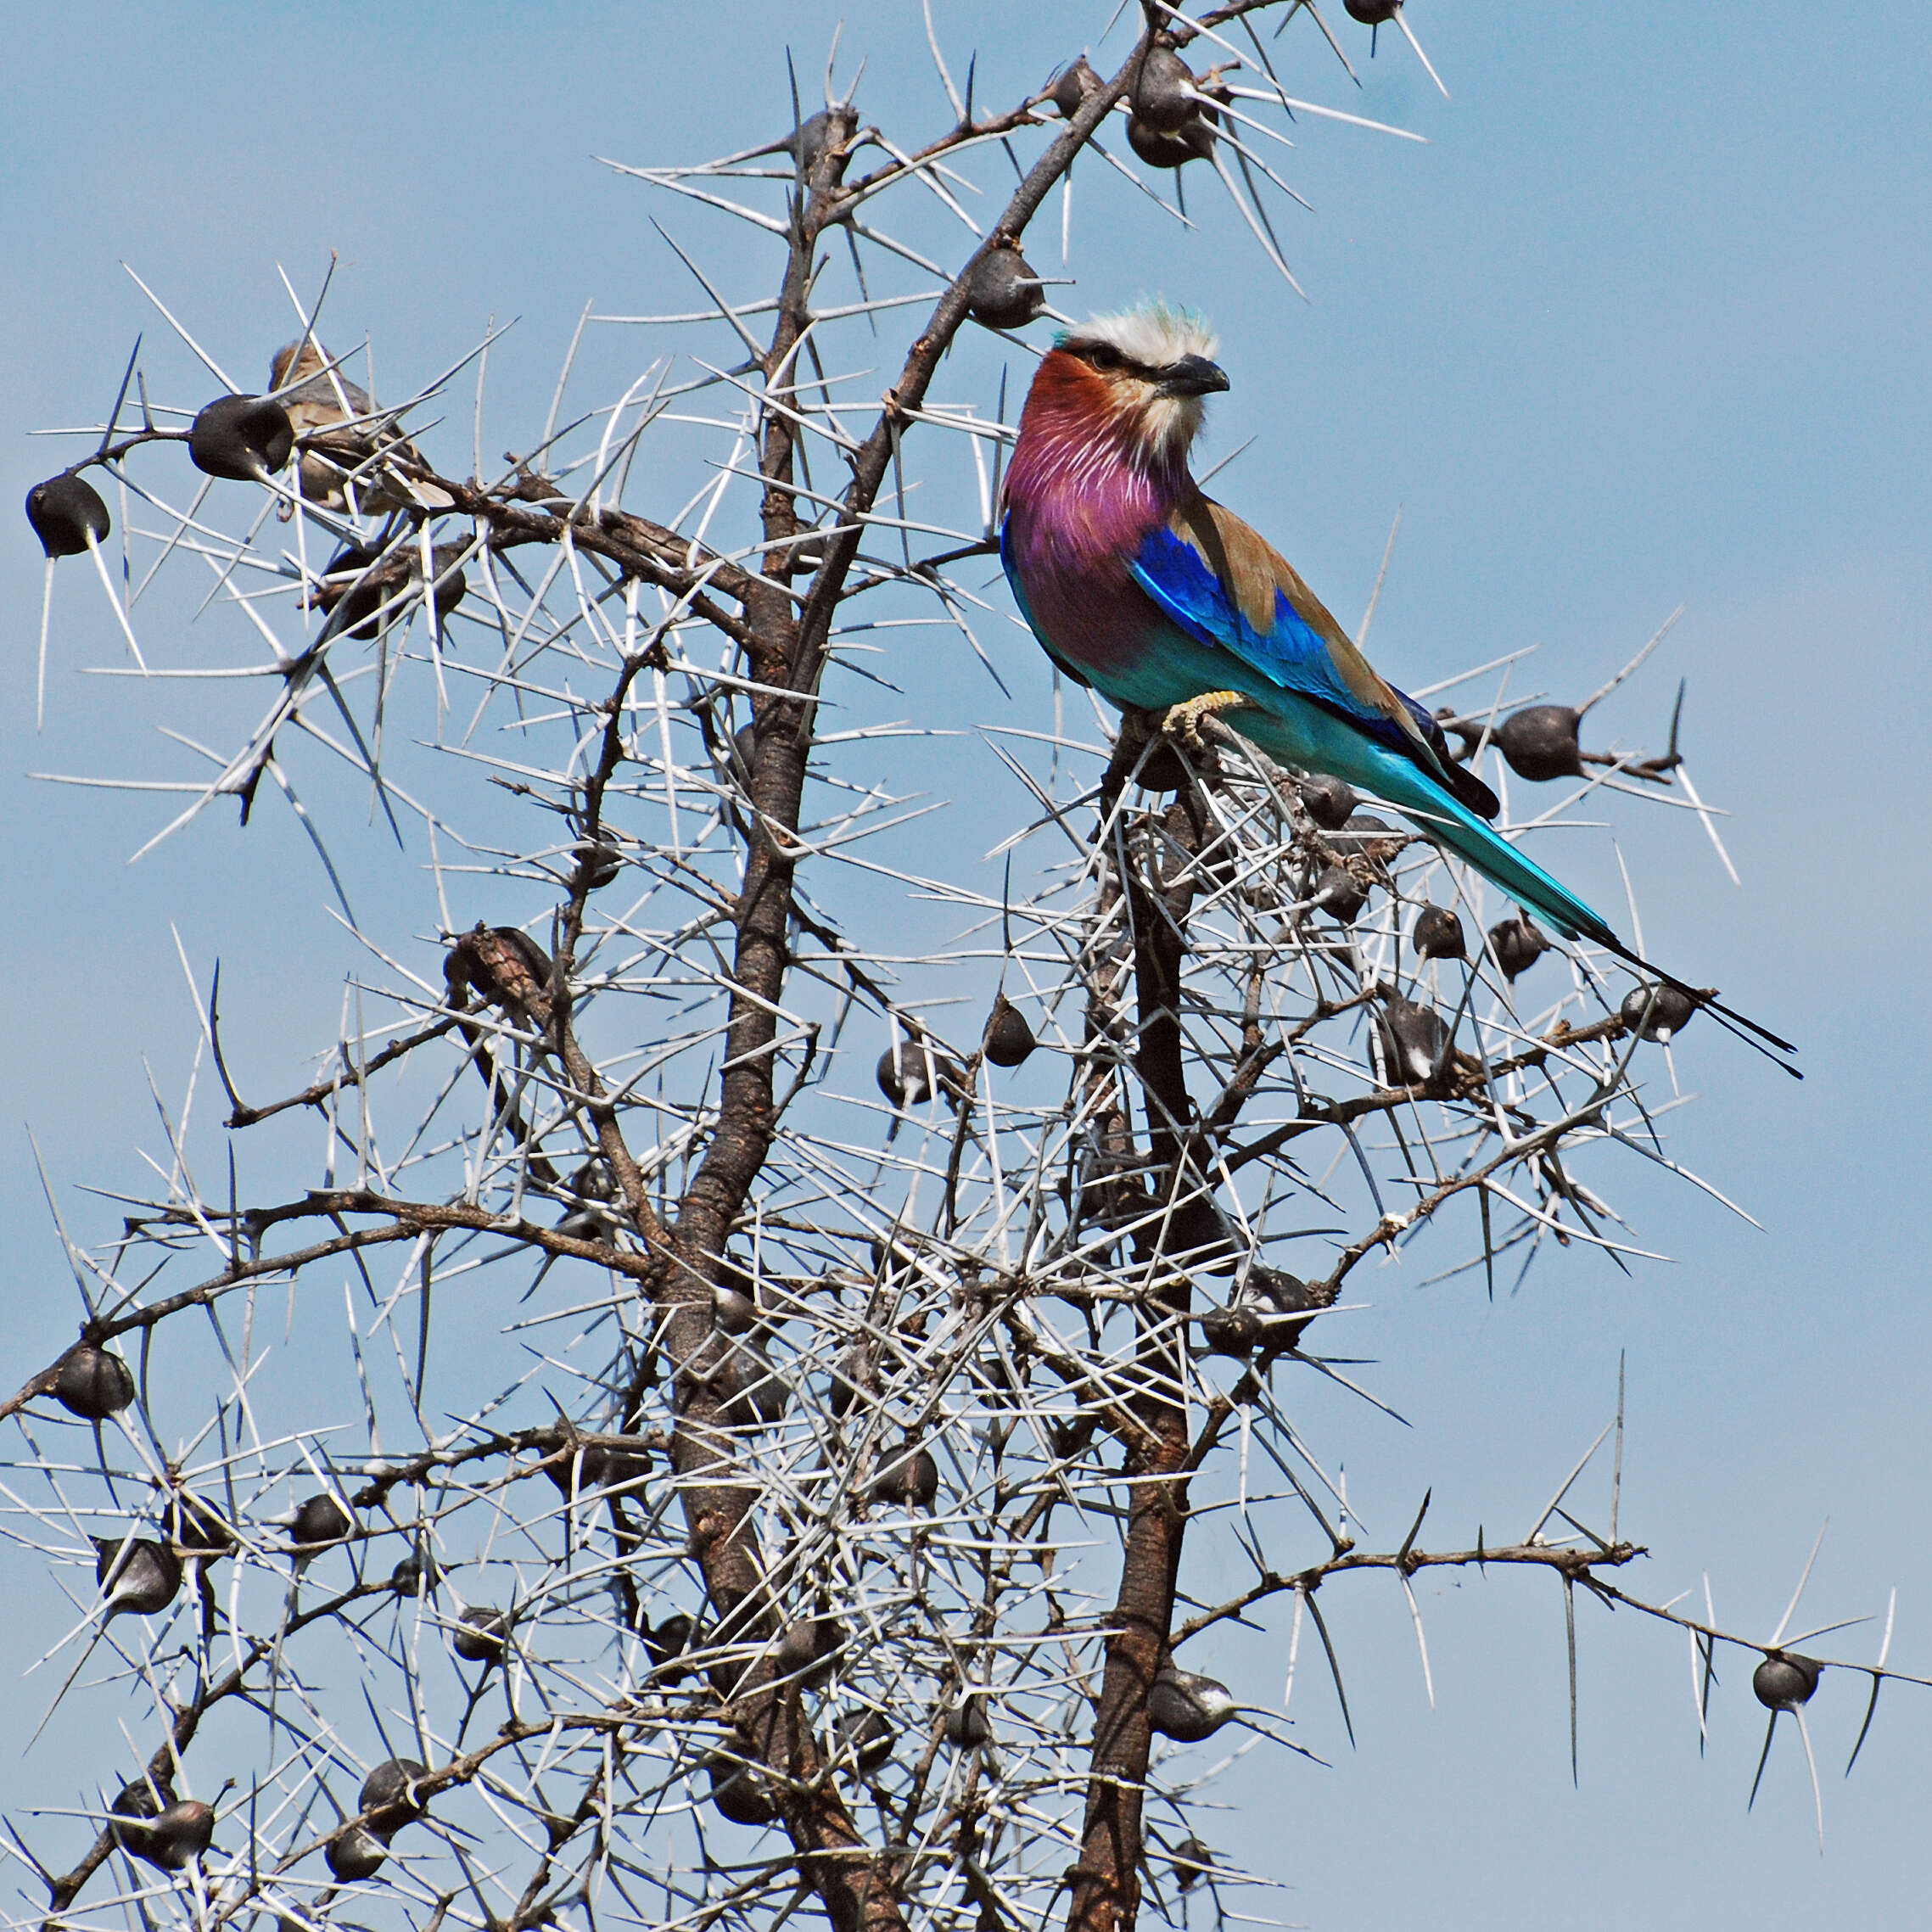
pixel 967 1724
pixel 740 1792
pixel 355 1854
pixel 1657 1012
pixel 1008 1040
pixel 319 1523
pixel 139 1574
pixel 1074 86
pixel 905 1073
pixel 1188 1707
pixel 1416 1041
pixel 1438 934
pixel 868 1736
pixel 387 1800
pixel 1540 741
pixel 1192 1860
pixel 907 1475
pixel 1003 291
pixel 1372 13
pixel 65 511
pixel 1784 1680
pixel 1341 894
pixel 1515 945
pixel 666 1644
pixel 1327 801
pixel 480 1633
pixel 242 438
pixel 93 1383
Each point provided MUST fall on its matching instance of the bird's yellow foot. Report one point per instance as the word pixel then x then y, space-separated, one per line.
pixel 1183 721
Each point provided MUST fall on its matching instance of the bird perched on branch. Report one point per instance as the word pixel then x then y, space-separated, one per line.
pixel 1137 584
pixel 347 444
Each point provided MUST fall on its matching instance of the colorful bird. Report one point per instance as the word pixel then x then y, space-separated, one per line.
pixel 347 443
pixel 1137 584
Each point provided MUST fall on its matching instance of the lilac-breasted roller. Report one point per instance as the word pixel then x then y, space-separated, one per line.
pixel 1137 584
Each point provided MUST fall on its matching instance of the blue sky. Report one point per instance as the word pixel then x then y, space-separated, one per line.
pixel 1645 325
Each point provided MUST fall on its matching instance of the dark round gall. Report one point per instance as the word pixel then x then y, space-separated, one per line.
pixel 387 1800
pixel 1785 1681
pixel 195 1527
pixel 807 140
pixel 667 1643
pixel 93 1383
pixel 739 1793
pixel 178 1836
pixel 1233 1329
pixel 242 438
pixel 1187 1707
pixel 1438 934
pixel 851 1380
pixel 808 1649
pixel 761 1395
pixel 1193 142
pixel 1373 12
pixel 596 1465
pixel 1192 1860
pixel 1656 1012
pixel 139 1574
pixel 967 1725
pixel 411 1574
pixel 354 611
pixel 905 1074
pixel 479 1636
pixel 744 753
pixel 1515 945
pixel 65 511
pixel 1327 801
pixel 1162 96
pixel 1363 835
pixel 868 1735
pixel 1008 1041
pixel 131 1815
pixel 907 1475
pixel 1073 87
pixel 1541 741
pixel 1341 894
pixel 355 1854
pixel 1416 1041
pixel 603 863
pixel 319 1523
pixel 1003 291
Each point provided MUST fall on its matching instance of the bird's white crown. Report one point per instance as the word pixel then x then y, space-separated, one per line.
pixel 1152 334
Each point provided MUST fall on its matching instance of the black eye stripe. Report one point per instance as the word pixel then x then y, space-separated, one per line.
pixel 1105 356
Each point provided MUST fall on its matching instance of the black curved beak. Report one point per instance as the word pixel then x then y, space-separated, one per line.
pixel 1193 375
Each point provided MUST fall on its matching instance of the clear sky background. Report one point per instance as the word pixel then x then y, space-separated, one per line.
pixel 1647 323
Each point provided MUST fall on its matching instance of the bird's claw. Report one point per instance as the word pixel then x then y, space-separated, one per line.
pixel 1183 721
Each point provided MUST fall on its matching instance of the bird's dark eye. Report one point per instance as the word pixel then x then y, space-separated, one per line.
pixel 1105 356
